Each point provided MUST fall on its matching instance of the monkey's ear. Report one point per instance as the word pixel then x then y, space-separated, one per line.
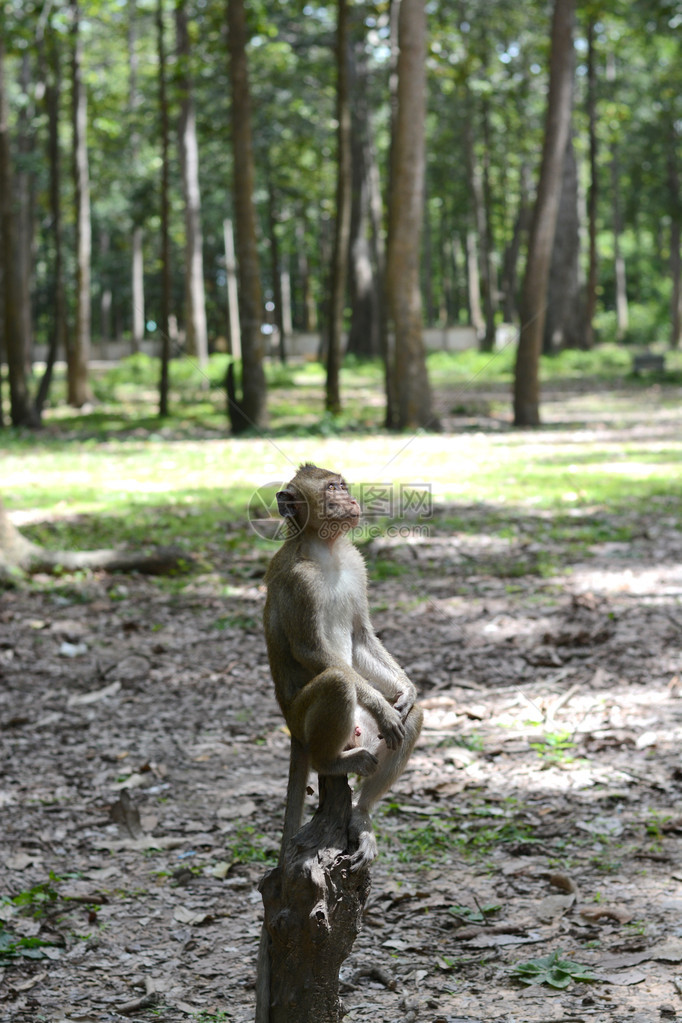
pixel 286 503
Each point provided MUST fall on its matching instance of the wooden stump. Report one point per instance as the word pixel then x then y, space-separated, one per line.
pixel 313 907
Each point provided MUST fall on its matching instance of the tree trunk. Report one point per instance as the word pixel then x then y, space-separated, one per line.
pixel 252 406
pixel 593 193
pixel 413 406
pixel 21 411
pixel 534 295
pixel 565 319
pixel 57 328
pixel 511 255
pixel 308 319
pixel 235 338
pixel 78 351
pixel 339 269
pixel 479 188
pixel 675 239
pixel 622 312
pixel 25 212
pixel 276 270
pixel 365 277
pixel 195 326
pixel 313 909
pixel 165 325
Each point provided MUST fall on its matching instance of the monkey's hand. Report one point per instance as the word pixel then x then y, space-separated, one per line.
pixel 405 702
pixel 391 727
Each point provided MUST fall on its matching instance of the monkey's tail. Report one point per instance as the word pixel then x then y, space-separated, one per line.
pixel 299 768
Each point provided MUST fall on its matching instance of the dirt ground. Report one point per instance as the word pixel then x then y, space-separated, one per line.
pixel 143 773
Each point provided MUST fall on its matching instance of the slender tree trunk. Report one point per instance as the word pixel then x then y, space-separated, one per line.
pixel 622 313
pixel 138 288
pixel 511 256
pixel 565 319
pixel 474 285
pixel 406 209
pixel 339 270
pixel 593 193
pixel 78 351
pixel 195 326
pixel 479 186
pixel 235 338
pixel 253 408
pixel 534 294
pixel 364 335
pixel 21 412
pixel 275 268
pixel 25 219
pixel 165 216
pixel 57 335
pixel 137 238
pixel 675 238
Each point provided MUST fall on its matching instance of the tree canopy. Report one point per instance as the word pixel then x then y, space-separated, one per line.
pixel 82 128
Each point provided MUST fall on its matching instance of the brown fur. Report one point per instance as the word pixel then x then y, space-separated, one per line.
pixel 332 675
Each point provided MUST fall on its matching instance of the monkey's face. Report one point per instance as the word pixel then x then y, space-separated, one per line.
pixel 338 506
pixel 318 501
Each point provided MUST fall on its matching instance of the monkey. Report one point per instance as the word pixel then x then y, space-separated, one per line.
pixel 349 707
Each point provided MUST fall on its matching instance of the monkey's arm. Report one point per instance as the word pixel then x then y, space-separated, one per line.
pixel 373 661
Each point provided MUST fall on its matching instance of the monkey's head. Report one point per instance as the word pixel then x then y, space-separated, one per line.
pixel 318 502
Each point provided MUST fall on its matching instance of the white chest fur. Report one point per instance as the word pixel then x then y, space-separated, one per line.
pixel 338 610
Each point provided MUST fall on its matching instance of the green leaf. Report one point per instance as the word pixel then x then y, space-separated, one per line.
pixel 551 970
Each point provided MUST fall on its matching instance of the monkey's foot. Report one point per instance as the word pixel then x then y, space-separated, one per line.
pixel 362 836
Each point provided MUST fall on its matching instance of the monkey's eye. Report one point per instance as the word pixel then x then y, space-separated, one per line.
pixel 337 486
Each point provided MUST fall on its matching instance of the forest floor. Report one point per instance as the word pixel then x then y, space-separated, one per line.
pixel 536 832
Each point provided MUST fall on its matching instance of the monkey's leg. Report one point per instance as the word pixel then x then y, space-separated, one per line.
pixel 391 766
pixel 323 715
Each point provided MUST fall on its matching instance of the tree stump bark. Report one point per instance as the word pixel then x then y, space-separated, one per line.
pixel 313 908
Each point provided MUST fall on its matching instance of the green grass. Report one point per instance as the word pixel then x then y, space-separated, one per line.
pixel 117 474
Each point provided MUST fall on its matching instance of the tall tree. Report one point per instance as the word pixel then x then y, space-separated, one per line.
pixel 593 189
pixel 197 338
pixel 164 120
pixel 565 319
pixel 252 409
pixel 57 328
pixel 366 262
pixel 339 269
pixel 410 384
pixel 78 350
pixel 21 411
pixel 534 293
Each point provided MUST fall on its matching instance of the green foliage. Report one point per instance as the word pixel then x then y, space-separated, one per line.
pixel 12 947
pixel 551 970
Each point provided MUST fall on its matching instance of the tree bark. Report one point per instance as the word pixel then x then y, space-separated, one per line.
pixel 534 294
pixel 165 325
pixel 21 411
pixel 565 319
pixel 78 351
pixel 593 192
pixel 410 385
pixel 313 909
pixel 252 406
pixel 195 326
pixel 675 239
pixel 479 186
pixel 365 269
pixel 57 329
pixel 339 269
